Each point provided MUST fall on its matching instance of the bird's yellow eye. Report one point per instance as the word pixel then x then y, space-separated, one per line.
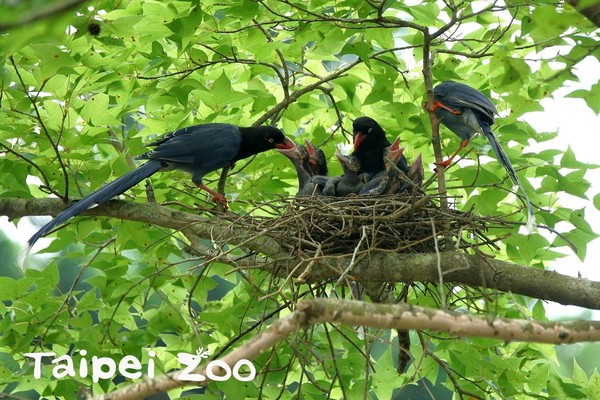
pixel 370 129
pixel 271 140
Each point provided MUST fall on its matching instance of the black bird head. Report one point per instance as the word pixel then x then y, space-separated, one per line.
pixel 262 138
pixel 369 144
pixel 317 160
pixel 275 138
pixel 367 130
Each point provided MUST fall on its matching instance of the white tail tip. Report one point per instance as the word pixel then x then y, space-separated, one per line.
pixel 531 224
pixel 22 258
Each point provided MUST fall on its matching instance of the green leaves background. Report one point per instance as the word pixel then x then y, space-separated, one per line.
pixel 76 107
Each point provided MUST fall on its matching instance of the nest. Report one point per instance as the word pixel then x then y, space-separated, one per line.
pixel 313 226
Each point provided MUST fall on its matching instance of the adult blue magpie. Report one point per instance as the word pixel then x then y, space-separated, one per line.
pixel 197 149
pixel 466 112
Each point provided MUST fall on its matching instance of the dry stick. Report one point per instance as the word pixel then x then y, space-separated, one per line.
pixel 309 267
pixel 353 259
pixel 439 266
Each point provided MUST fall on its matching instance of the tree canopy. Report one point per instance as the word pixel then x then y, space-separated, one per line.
pixel 84 85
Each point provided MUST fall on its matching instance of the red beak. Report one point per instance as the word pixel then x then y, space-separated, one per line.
pixel 309 147
pixel 287 144
pixel 358 139
pixel 395 151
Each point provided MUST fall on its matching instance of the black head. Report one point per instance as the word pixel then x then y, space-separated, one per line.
pixel 367 129
pixel 262 138
pixel 274 138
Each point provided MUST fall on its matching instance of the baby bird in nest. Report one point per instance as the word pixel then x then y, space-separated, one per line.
pixel 351 181
pixel 389 180
pixel 316 159
pixel 306 160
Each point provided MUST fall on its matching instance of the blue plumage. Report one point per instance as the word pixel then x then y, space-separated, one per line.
pixel 197 150
pixel 466 112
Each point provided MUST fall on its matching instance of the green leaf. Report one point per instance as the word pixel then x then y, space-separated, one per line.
pixel 51 60
pixel 591 97
pixel 593 388
pixel 97 112
pixel 596 201
pixel 361 49
pixel 564 390
pixel 382 381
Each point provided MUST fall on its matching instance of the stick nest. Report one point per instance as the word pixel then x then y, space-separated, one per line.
pixel 313 226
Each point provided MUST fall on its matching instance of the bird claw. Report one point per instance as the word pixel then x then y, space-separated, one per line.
pixel 218 198
pixel 444 164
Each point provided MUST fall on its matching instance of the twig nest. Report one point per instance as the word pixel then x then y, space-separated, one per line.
pixel 315 226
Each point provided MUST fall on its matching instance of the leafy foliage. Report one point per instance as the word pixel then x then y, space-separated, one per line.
pixel 82 92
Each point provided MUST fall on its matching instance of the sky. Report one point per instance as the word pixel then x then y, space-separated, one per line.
pixel 577 126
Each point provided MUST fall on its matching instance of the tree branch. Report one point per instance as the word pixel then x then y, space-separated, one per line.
pixel 371 267
pixel 591 12
pixel 50 10
pixel 382 316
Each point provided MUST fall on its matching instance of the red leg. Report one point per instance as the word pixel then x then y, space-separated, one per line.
pixel 437 105
pixel 446 163
pixel 217 197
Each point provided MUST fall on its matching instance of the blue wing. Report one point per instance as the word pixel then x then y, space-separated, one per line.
pixel 459 96
pixel 198 149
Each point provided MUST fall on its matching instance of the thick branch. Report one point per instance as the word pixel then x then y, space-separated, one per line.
pixel 152 213
pixel 382 316
pixel 42 12
pixel 374 266
pixel 591 12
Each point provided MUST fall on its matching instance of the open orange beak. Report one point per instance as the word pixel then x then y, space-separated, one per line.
pixel 287 144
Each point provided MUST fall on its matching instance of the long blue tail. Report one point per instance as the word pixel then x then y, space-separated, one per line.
pixel 531 224
pixel 100 196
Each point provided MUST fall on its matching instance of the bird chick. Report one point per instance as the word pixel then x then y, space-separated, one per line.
pixel 299 155
pixel 389 179
pixel 317 159
pixel 351 181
